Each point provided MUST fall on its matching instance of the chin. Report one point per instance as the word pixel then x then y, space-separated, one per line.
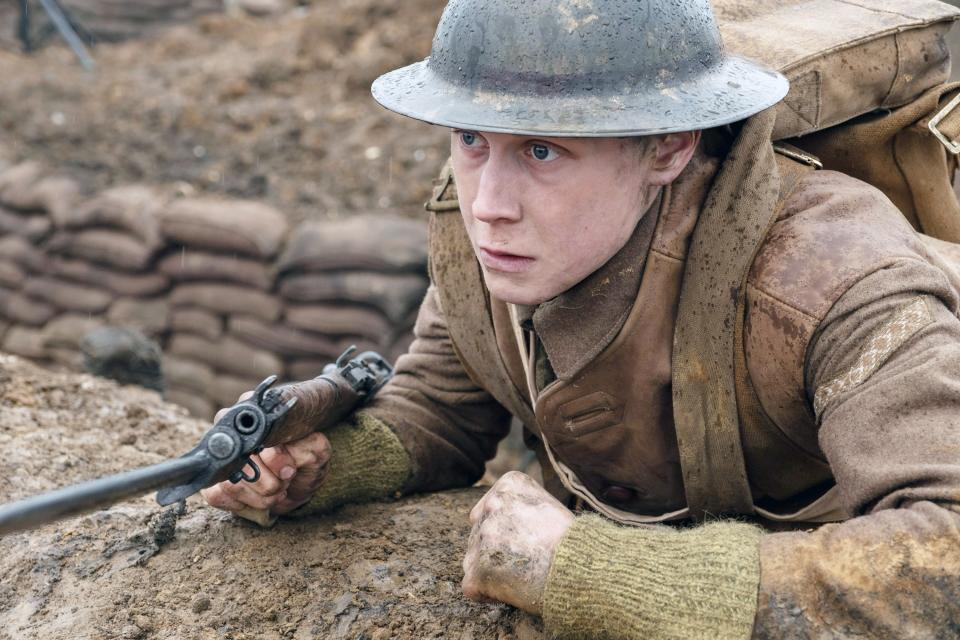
pixel 514 293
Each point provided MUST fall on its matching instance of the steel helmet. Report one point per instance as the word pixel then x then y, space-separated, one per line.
pixel 579 68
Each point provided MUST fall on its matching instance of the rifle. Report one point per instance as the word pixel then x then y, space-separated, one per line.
pixel 62 22
pixel 268 418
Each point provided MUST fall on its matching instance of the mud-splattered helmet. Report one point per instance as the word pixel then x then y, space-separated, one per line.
pixel 579 68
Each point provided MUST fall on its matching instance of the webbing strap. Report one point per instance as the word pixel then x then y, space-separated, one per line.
pixel 736 217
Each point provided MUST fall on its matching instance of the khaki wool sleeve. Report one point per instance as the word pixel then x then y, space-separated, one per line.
pixel 430 428
pixel 630 583
pixel 448 424
pixel 884 376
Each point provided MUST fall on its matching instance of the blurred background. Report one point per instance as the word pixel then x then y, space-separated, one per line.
pixel 220 185
pixel 220 198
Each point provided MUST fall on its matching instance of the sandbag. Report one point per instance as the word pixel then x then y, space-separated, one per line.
pixel 280 339
pixel 68 296
pixel 365 242
pixel 68 330
pixel 69 359
pixel 230 226
pixel 17 183
pixel 24 187
pixel 21 309
pixel 226 390
pixel 12 275
pixel 132 209
pixel 33 228
pixel 227 355
pixel 400 345
pixel 844 58
pixel 187 375
pixel 104 247
pixel 227 299
pixel 198 321
pixel 334 319
pixel 20 251
pixel 25 342
pixel 149 316
pixel 118 282
pixel 394 294
pixel 56 195
pixel 198 405
pixel 306 368
pixel 199 265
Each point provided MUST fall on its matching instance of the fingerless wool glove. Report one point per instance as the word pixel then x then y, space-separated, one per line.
pixel 610 581
pixel 367 462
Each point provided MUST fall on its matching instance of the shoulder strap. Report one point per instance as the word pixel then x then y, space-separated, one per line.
pixel 742 206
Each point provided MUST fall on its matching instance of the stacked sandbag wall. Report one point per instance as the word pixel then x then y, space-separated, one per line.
pixel 227 288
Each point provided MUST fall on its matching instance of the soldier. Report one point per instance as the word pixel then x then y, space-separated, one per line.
pixel 605 157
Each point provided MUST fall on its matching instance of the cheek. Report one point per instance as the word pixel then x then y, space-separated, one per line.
pixel 590 234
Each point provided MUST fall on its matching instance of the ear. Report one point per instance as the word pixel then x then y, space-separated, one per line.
pixel 671 154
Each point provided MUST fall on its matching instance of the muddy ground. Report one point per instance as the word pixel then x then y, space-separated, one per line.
pixel 136 571
pixel 277 109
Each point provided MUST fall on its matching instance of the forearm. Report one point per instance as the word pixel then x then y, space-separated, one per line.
pixel 448 425
pixel 889 574
pixel 892 574
pixel 431 427
pixel 367 462
pixel 632 583
pixel 885 373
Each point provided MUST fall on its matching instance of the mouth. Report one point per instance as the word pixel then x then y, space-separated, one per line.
pixel 503 261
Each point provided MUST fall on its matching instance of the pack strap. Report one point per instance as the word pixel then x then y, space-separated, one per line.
pixel 738 213
pixel 945 123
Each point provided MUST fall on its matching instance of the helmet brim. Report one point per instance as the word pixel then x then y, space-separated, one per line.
pixel 734 90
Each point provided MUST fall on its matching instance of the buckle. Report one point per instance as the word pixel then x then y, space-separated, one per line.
pixel 951 146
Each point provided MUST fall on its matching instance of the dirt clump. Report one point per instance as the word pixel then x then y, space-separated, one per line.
pixel 138 571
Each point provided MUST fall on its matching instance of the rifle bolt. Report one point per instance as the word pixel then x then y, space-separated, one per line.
pixel 220 445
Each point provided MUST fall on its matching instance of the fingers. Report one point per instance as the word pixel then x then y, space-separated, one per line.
pixel 279 461
pixel 289 475
pixel 262 494
pixel 217 497
pixel 509 484
pixel 307 455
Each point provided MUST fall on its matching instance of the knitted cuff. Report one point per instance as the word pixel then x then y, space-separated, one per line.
pixel 367 462
pixel 611 581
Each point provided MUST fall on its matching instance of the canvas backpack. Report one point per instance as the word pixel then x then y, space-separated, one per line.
pixel 869 93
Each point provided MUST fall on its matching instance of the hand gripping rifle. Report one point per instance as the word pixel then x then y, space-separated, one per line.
pixel 268 418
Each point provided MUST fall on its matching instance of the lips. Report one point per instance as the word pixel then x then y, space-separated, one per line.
pixel 503 261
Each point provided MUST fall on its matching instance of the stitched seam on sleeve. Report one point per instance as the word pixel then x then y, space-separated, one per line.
pixel 902 324
pixel 758 291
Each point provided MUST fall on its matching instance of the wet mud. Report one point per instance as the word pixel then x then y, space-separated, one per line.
pixel 139 571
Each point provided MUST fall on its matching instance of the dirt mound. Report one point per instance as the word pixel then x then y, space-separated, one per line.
pixel 276 109
pixel 136 571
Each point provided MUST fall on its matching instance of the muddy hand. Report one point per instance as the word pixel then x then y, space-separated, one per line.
pixel 289 474
pixel 517 527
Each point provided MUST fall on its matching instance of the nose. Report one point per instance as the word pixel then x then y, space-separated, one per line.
pixel 496 199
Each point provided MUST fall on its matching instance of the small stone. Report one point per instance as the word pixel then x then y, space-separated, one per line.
pixel 132 632
pixel 493 615
pixel 200 604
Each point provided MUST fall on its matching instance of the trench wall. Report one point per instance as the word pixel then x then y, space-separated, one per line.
pixel 229 289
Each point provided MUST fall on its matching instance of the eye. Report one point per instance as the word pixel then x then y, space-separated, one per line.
pixel 468 138
pixel 542 152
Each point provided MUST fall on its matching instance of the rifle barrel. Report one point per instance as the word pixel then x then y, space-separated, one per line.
pixel 95 494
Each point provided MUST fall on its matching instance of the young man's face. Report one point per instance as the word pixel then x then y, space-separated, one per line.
pixel 544 213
